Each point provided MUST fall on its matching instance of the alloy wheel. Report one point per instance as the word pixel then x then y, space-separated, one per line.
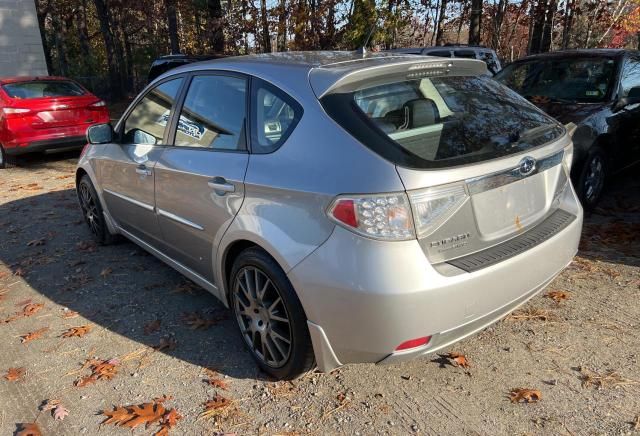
pixel 594 178
pixel 262 316
pixel 90 209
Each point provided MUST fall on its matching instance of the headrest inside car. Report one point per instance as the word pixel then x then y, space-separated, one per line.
pixel 420 112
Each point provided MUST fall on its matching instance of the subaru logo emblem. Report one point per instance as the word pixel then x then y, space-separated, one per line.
pixel 527 165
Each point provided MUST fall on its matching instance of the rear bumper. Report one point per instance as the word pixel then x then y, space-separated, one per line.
pixel 47 144
pixel 366 297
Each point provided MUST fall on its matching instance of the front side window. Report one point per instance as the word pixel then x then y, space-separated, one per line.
pixel 276 115
pixel 213 114
pixel 43 89
pixel 148 120
pixel 442 121
pixel 573 79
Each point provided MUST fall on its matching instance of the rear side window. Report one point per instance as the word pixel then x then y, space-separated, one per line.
pixel 275 116
pixel 43 89
pixel 470 54
pixel 214 112
pixel 442 121
pixel 441 53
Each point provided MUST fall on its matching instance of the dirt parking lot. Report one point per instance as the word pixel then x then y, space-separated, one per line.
pixel 580 352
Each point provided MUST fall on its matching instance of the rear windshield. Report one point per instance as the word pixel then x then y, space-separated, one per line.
pixel 43 89
pixel 442 121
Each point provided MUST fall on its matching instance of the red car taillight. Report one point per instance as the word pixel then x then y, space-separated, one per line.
pixel 15 112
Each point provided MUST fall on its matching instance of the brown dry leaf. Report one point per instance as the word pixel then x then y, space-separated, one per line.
pixel 518 223
pixel 282 389
pixel 29 309
pixel 530 313
pixel 186 288
pixel 87 246
pixel 100 370
pixel 215 407
pixel 28 429
pixel 77 332
pixel 169 420
pixel 524 395
pixel 167 343
pixel 106 272
pixel 459 359
pixel 558 296
pixel 218 383
pixel 195 321
pixel 135 415
pixel 152 327
pixel 14 374
pixel 68 314
pixel 33 335
pixel 19 272
pixel 49 405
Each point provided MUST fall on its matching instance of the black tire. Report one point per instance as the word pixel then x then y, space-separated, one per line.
pixel 3 158
pixel 300 358
pixel 92 211
pixel 593 176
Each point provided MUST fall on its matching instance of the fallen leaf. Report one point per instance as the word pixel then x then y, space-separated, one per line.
pixel 167 343
pixel 530 313
pixel 152 327
pixel 610 378
pixel 557 296
pixel 135 415
pixel 186 288
pixel 100 370
pixel 518 395
pixel 19 272
pixel 196 321
pixel 459 359
pixel 218 383
pixel 28 429
pixel 36 242
pixel 29 309
pixel 49 405
pixel 60 412
pixel 518 223
pixel 77 331
pixel 33 335
pixel 14 374
pixel 68 314
pixel 215 407
pixel 169 420
pixel 105 272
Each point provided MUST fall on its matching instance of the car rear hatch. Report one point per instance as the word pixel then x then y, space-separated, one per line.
pixel 484 169
pixel 53 103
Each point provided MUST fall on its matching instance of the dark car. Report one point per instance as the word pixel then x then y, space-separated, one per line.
pixel 481 52
pixel 165 63
pixel 598 91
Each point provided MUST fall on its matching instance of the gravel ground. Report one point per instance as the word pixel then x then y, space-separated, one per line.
pixel 582 353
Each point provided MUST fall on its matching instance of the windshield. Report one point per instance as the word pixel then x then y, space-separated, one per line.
pixel 43 89
pixel 561 79
pixel 442 121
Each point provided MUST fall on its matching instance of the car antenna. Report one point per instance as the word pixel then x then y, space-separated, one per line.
pixel 363 50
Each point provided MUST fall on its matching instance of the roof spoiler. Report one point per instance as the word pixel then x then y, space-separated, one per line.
pixel 348 77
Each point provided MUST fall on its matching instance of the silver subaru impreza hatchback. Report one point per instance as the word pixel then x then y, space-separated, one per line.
pixel 347 208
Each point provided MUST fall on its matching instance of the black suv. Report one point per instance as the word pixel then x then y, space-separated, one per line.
pixel 165 63
pixel 481 52
pixel 597 90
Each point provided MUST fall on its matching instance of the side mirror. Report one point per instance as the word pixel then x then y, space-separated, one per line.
pixel 632 98
pixel 100 134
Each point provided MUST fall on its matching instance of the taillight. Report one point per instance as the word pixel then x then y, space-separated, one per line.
pixel 432 206
pixel 380 216
pixel 100 103
pixel 15 111
pixel 413 343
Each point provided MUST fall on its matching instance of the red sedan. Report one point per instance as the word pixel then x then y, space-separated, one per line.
pixel 45 113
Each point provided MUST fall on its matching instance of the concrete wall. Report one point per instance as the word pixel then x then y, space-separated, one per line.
pixel 21 52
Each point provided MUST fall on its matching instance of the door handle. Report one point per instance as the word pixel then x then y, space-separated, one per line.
pixel 221 186
pixel 143 170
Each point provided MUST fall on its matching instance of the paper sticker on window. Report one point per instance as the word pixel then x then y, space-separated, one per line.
pixel 592 93
pixel 191 128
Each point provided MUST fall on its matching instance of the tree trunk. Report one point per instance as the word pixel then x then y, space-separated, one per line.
pixel 43 11
pixel 59 42
pixel 172 24
pixel 441 15
pixel 104 18
pixel 266 38
pixel 83 35
pixel 330 33
pixel 475 22
pixel 282 25
pixel 545 44
pixel 215 24
pixel 539 21
pixel 497 24
pixel 568 23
